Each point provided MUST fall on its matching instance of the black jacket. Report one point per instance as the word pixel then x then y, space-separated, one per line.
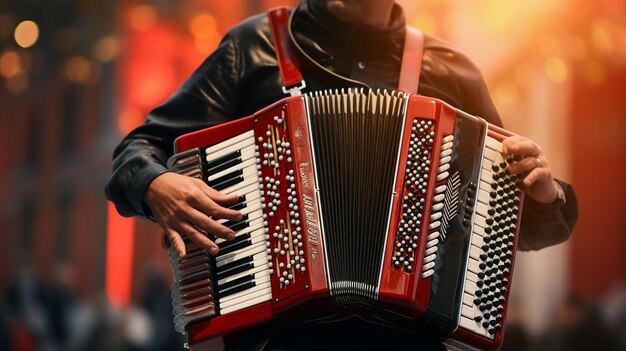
pixel 242 76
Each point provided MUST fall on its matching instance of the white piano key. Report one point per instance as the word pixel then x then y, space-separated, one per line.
pixel 445 153
pixel 490 154
pixel 486 176
pixel 482 209
pixel 259 264
pixel 257 299
pixel 468 300
pixel 483 196
pixel 251 179
pixel 473 265
pixel 475 252
pixel 493 144
pixel 251 192
pixel 470 288
pixel 230 145
pixel 439 198
pixel 471 276
pixel 473 326
pixel 262 286
pixel 234 256
pixel 447 139
pixel 247 172
pixel 480 220
pixel 252 229
pixel 468 312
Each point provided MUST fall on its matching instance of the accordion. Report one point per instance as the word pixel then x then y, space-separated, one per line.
pixel 387 204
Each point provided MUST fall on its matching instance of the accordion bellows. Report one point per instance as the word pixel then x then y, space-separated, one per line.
pixel 394 206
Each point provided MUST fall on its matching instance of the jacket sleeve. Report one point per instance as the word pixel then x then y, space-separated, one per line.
pixel 207 98
pixel 542 225
pixel 545 225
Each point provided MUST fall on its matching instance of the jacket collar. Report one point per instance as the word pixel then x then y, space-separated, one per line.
pixel 329 42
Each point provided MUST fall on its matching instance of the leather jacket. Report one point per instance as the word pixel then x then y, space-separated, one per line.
pixel 242 76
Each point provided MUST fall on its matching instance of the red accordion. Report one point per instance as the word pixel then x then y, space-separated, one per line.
pixel 385 204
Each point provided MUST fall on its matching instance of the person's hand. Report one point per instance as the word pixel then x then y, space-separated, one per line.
pixel 185 206
pixel 533 165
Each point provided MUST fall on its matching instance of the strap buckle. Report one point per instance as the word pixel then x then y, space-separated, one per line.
pixel 296 90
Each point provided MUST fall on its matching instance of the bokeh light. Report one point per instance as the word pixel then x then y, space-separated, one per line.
pixel 106 49
pixel 10 64
pixel 80 70
pixel 26 34
pixel 142 17
pixel 556 69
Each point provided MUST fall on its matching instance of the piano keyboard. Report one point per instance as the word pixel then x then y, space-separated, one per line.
pixel 492 242
pixel 239 275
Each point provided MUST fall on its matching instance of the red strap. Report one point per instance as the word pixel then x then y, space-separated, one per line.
pixel 411 61
pixel 289 72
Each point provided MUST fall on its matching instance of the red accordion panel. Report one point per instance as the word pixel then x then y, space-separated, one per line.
pixel 448 251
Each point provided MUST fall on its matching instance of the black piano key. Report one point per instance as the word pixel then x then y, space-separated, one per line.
pixel 235 282
pixel 237 226
pixel 240 288
pixel 239 269
pixel 242 242
pixel 218 162
pixel 240 204
pixel 228 183
pixel 226 165
pixel 227 266
pixel 225 178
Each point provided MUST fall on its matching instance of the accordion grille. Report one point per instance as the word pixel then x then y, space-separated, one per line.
pixel 355 137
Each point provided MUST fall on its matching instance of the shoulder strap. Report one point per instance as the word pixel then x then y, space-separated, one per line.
pixel 289 72
pixel 411 61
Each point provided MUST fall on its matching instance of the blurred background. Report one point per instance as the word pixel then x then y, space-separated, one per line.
pixel 77 75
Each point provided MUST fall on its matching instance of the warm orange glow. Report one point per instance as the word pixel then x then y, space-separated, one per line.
pixel 425 23
pixel 577 48
pixel 26 34
pixel 119 257
pixel 106 49
pixel 77 69
pixel 10 64
pixel 601 37
pixel 128 120
pixel 524 76
pixel 594 72
pixel 142 17
pixel 208 45
pixel 556 69
pixel 203 26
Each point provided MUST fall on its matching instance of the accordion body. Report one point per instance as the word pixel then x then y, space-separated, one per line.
pixel 393 206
